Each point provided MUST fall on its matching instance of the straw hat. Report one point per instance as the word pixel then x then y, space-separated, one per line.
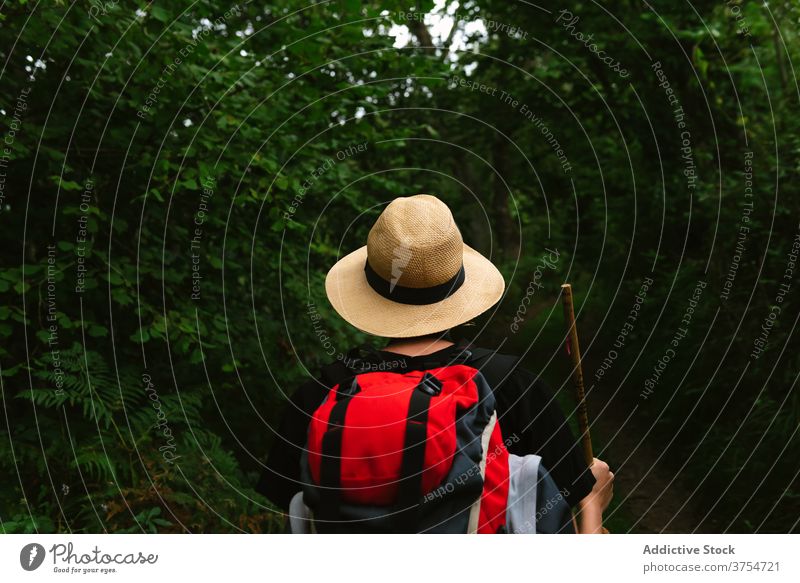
pixel 415 276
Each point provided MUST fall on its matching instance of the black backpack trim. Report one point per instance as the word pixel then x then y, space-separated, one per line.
pixel 446 510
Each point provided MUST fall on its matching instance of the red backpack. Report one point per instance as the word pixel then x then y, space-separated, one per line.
pixel 416 451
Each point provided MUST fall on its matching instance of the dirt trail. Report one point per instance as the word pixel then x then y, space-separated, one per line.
pixel 647 498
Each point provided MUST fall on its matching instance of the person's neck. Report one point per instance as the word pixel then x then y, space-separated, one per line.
pixel 418 346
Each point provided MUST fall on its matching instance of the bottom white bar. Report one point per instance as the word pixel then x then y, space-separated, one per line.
pixel 430 558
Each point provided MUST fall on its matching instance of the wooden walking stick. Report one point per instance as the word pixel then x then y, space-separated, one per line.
pixel 574 352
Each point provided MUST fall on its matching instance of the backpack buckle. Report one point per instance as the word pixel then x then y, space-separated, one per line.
pixel 430 385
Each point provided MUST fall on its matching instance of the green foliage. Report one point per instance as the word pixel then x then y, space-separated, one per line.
pixel 194 171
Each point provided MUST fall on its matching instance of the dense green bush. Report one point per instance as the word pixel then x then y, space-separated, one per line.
pixel 178 181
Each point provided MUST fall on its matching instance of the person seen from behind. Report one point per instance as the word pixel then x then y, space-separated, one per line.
pixel 423 433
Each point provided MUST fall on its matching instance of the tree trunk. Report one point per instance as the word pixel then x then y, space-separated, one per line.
pixel 507 236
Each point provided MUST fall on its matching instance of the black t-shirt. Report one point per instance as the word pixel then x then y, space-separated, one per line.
pixel 526 409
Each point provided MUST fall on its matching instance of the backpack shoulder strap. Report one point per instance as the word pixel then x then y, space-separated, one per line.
pixel 480 355
pixel 351 365
pixel 340 370
pixel 335 372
